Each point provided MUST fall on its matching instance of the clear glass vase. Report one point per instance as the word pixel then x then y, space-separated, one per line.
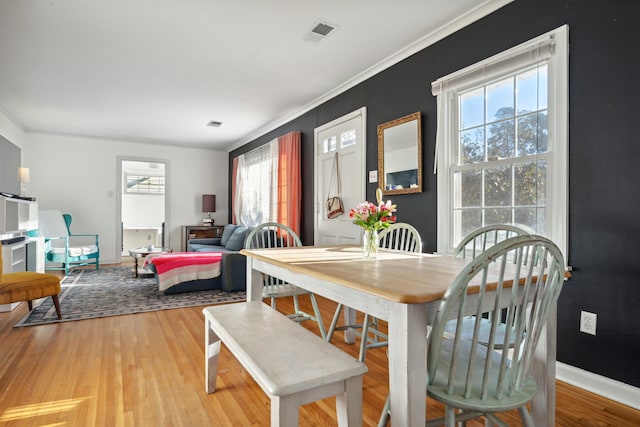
pixel 370 243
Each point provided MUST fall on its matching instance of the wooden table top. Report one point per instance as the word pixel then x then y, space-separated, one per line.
pixel 407 278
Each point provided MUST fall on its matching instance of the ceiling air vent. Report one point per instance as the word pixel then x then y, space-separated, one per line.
pixel 319 32
pixel 214 124
pixel 322 29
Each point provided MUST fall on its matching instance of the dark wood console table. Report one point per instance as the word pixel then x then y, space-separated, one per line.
pixel 199 232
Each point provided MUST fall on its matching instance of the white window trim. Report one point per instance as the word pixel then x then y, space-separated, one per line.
pixel 553 46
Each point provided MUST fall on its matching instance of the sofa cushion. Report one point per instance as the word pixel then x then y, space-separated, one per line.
pixel 226 233
pixel 236 241
pixel 207 248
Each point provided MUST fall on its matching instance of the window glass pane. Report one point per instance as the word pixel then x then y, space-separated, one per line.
pixel 329 144
pixel 525 178
pixel 497 216
pixel 527 92
pixel 348 138
pixel 500 100
pixel 470 188
pixel 472 108
pixel 543 132
pixel 472 146
pixel 469 220
pixel 533 134
pixel 501 141
pixel 497 186
pixel 535 218
pixel 145 184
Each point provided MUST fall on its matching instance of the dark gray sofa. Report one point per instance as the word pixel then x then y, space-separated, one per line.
pixel 233 273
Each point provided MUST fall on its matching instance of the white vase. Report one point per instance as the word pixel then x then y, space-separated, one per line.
pixel 370 243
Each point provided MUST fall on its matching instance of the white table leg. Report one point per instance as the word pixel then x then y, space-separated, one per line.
pixel 349 319
pixel 254 282
pixel 407 364
pixel 211 356
pixel 543 405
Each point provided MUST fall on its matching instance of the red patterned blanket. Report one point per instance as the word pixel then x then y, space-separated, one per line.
pixel 179 267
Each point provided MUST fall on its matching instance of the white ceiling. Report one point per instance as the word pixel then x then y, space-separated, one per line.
pixel 160 70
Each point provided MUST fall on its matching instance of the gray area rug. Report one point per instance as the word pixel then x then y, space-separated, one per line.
pixel 112 291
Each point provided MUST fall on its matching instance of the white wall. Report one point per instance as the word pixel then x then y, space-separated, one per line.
pixel 10 131
pixel 77 175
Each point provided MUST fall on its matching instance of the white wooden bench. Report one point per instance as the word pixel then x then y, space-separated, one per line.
pixel 290 363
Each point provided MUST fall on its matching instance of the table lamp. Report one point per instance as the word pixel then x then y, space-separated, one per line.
pixel 24 180
pixel 208 206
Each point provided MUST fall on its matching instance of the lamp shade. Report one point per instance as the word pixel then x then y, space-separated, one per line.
pixel 24 176
pixel 208 203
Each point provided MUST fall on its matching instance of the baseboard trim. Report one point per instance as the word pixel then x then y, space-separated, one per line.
pixel 603 386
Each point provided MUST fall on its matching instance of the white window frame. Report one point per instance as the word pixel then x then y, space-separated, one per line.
pixel 552 47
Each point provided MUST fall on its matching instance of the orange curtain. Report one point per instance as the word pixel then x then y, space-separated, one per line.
pixel 289 181
pixel 234 177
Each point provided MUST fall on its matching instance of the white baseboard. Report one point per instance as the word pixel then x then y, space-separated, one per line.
pixel 603 386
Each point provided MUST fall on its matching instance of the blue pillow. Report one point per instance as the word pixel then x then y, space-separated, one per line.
pixel 236 241
pixel 226 233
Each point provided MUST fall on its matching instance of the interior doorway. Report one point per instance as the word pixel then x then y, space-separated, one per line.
pixel 142 204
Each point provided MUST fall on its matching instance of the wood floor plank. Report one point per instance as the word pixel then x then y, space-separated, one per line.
pixel 147 369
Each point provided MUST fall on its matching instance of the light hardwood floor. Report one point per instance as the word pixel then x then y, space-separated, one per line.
pixel 148 370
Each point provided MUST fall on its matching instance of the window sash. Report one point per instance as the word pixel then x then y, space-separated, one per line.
pixel 552 47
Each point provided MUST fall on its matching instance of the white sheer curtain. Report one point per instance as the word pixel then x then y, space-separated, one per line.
pixel 257 185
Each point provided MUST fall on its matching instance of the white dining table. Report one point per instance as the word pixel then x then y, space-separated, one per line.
pixel 403 289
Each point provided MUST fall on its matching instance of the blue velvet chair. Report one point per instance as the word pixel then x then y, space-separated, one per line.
pixel 64 249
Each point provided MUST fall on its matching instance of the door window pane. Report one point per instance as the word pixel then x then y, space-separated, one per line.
pixel 348 138
pixel 329 144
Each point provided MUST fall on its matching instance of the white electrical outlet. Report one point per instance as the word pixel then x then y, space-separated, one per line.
pixel 373 176
pixel 588 322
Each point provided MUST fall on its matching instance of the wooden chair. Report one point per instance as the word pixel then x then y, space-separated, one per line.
pixel 475 379
pixel 483 238
pixel 398 237
pixel 475 243
pixel 276 235
pixel 28 286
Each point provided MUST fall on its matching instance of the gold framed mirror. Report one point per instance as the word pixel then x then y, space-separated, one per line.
pixel 400 155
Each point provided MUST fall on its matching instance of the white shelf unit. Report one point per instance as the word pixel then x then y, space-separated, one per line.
pixel 17 215
pixel 14 258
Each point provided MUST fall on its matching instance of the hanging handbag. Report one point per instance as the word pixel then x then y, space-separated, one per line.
pixel 334 203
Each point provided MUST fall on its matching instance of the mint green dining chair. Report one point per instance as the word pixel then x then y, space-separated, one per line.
pixel 401 237
pixel 276 235
pixel 472 378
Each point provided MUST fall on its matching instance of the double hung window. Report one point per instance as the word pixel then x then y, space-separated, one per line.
pixel 502 143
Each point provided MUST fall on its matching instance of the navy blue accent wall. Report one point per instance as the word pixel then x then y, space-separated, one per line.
pixel 604 145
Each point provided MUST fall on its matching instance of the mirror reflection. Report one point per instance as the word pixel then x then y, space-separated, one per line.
pixel 400 155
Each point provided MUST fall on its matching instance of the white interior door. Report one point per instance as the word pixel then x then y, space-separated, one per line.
pixel 345 136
